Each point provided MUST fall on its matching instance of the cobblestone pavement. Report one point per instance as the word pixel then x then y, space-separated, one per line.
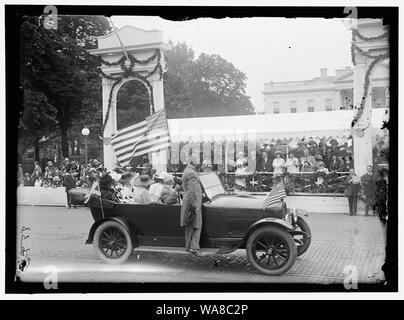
pixel 57 237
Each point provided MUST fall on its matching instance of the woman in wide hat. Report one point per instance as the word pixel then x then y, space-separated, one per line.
pixel 140 192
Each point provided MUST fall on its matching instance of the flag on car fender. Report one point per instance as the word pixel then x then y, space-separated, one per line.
pixel 275 195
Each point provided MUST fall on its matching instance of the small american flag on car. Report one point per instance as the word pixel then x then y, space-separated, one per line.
pixel 150 135
pixel 275 195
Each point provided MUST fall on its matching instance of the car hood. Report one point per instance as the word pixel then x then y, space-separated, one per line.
pixel 241 202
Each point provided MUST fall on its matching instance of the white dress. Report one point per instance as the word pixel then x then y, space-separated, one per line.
pixel 278 164
pixel 292 164
pixel 241 170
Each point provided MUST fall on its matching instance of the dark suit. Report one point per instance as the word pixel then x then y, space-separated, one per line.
pixel 265 165
pixel 69 183
pixel 192 197
pixel 351 193
pixel 368 183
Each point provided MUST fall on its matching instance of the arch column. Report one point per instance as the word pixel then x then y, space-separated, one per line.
pixel 110 126
pixel 158 159
pixel 362 133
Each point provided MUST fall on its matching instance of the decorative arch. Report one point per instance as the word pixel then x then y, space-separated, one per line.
pixel 147 85
pixel 143 61
pixel 369 48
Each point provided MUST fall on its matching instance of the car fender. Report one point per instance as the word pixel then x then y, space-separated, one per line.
pixel 265 222
pixel 132 230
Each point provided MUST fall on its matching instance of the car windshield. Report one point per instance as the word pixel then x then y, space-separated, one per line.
pixel 211 184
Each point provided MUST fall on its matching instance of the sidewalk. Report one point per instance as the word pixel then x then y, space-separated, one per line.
pixel 42 196
pixel 48 196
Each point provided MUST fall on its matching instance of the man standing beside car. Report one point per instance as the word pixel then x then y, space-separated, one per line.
pixel 69 184
pixel 192 198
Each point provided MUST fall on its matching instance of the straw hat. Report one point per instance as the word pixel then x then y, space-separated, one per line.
pixel 143 180
pixel 278 151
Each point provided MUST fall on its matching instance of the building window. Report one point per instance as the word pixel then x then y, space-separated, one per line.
pixel 328 104
pixel 310 105
pixel 276 105
pixel 293 108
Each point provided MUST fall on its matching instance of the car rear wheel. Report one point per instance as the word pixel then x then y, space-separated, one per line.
pixel 271 250
pixel 302 242
pixel 112 242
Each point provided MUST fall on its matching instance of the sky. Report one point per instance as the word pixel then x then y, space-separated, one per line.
pixel 265 49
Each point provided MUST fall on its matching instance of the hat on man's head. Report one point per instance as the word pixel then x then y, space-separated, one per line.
pixel 143 180
pixel 278 152
pixel 318 157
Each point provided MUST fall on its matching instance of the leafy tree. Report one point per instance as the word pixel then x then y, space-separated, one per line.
pixel 132 104
pixel 218 88
pixel 56 65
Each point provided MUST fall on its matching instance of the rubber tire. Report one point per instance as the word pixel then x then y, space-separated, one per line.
pixel 279 232
pixel 303 225
pixel 100 254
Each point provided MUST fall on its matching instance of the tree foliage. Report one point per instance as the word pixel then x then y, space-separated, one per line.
pixel 132 104
pixel 57 72
pixel 206 86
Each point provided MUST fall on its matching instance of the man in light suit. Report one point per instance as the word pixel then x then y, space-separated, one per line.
pixel 192 197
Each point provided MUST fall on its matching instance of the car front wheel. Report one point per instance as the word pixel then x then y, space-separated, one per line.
pixel 271 250
pixel 112 242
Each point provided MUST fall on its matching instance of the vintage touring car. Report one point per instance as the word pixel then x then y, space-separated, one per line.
pixel 273 237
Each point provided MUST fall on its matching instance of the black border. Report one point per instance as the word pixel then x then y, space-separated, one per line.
pixel 13 14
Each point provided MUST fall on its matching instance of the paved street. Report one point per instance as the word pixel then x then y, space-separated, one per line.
pixel 57 236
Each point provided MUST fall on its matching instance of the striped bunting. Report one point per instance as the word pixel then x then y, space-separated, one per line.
pixel 275 195
pixel 150 135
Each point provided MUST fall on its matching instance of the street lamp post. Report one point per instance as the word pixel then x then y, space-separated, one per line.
pixel 85 132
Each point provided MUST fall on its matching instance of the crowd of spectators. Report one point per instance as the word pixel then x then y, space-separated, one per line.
pixel 306 157
pixel 54 175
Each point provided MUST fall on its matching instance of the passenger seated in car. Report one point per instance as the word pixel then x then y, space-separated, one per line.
pixel 125 193
pixel 106 188
pixel 156 188
pixel 140 193
pixel 168 194
pixel 162 191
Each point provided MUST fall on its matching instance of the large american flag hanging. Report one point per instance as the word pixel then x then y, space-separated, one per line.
pixel 275 195
pixel 141 138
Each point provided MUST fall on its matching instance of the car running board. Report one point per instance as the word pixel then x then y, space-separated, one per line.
pixel 203 251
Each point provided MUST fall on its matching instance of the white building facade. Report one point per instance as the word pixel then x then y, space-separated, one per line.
pixel 324 93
